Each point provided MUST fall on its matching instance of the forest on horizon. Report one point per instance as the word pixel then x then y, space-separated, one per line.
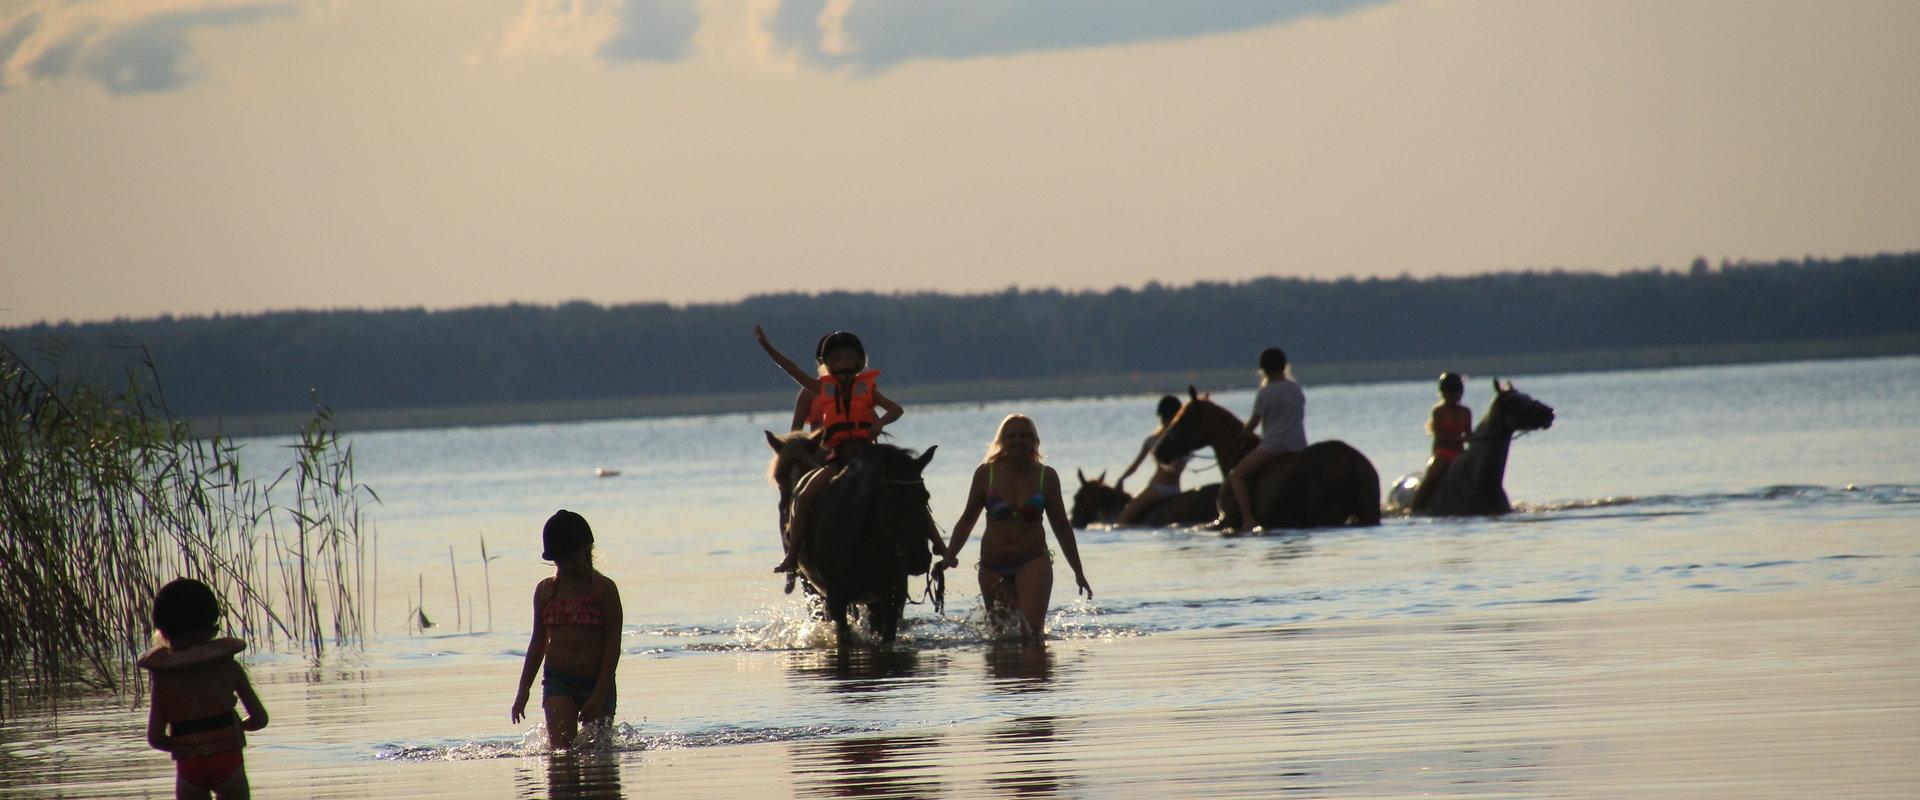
pixel 414 358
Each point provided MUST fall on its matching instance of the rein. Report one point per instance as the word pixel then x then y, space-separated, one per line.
pixel 934 590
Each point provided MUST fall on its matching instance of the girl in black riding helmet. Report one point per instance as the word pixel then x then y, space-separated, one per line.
pixel 1166 476
pixel 845 399
pixel 1449 422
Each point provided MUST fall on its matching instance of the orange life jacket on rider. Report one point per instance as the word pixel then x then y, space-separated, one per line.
pixel 845 409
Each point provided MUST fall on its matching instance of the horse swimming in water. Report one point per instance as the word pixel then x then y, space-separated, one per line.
pixel 1474 482
pixel 1096 502
pixel 1330 484
pixel 868 530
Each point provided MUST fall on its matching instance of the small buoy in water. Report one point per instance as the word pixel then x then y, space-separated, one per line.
pixel 1853 487
pixel 603 472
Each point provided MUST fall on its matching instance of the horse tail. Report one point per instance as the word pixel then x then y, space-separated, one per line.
pixel 1367 491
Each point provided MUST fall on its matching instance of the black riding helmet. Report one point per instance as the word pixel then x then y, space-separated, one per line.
pixel 1452 382
pixel 1169 406
pixel 836 340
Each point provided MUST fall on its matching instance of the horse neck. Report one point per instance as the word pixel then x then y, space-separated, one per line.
pixel 1487 448
pixel 1224 434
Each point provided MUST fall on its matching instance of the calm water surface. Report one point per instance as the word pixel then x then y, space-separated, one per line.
pixel 1468 657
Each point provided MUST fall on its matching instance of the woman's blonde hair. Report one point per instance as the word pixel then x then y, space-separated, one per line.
pixel 993 450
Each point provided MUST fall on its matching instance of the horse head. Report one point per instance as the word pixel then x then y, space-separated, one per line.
pixel 1198 423
pixel 1515 411
pixel 794 455
pixel 1095 501
pixel 900 491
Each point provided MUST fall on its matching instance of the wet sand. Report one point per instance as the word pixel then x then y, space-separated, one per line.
pixel 1811 693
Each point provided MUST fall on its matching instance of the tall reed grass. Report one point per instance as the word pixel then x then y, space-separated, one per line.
pixel 105 495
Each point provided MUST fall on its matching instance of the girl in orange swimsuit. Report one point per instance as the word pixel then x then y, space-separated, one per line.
pixel 576 632
pixel 1449 422
pixel 195 684
pixel 1016 570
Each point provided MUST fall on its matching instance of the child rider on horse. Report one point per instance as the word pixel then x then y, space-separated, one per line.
pixel 845 399
pixel 1449 423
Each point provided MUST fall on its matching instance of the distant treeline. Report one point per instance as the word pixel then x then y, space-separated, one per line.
pixel 414 358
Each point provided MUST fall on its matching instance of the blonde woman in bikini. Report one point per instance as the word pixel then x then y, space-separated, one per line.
pixel 1015 491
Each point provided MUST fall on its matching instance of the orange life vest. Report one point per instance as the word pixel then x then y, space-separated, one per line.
pixel 846 410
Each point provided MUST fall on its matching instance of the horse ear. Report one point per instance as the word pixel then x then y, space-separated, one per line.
pixel 1496 385
pixel 926 457
pixel 772 441
pixel 1082 474
pixel 1192 392
pixel 1509 386
pixel 1103 476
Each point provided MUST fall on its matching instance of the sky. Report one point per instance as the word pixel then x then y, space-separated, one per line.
pixel 192 157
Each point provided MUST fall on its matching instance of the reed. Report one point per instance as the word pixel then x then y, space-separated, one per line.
pixel 105 495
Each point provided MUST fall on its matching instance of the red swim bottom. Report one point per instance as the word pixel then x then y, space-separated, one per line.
pixel 208 772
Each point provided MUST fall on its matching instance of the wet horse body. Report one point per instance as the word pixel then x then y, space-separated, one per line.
pixel 1328 484
pixel 1096 502
pixel 1474 484
pixel 867 532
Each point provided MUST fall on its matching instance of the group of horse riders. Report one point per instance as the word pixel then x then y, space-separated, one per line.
pixel 1274 477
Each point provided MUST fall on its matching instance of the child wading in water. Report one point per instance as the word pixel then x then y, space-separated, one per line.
pixel 195 684
pixel 844 399
pixel 576 631
pixel 1449 423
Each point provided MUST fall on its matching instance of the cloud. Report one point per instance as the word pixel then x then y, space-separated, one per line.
pixel 653 30
pixel 878 34
pixel 613 30
pixel 126 46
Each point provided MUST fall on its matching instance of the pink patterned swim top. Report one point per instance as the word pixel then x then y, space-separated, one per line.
pixel 572 611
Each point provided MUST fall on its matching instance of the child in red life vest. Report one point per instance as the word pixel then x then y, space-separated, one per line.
pixel 845 399
pixel 195 684
pixel 1449 423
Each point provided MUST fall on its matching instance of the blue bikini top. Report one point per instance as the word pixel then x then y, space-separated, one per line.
pixel 998 509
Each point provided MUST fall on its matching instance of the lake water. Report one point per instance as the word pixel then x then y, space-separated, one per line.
pixel 1709 588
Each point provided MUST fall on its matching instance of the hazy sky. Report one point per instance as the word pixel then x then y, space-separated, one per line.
pixel 193 156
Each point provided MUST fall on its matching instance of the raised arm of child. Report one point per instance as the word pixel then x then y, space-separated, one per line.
pixel 800 376
pixel 536 652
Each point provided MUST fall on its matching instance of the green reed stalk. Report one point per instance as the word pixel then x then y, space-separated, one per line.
pixel 105 495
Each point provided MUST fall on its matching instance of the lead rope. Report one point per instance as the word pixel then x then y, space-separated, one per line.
pixel 935 588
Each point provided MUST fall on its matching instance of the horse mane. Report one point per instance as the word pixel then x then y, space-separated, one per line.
pixel 792 445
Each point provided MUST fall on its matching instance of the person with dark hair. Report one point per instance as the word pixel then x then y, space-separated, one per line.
pixel 846 400
pixel 576 631
pixel 195 685
pixel 1165 482
pixel 1449 422
pixel 1279 411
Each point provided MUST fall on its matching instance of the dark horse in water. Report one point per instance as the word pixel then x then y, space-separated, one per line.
pixel 1095 501
pixel 1330 483
pixel 868 530
pixel 1472 484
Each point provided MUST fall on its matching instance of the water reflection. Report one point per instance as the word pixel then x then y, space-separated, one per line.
pixel 878 766
pixel 1029 758
pixel 866 674
pixel 587 776
pixel 1016 667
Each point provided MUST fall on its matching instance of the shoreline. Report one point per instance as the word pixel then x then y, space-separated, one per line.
pixel 777 401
